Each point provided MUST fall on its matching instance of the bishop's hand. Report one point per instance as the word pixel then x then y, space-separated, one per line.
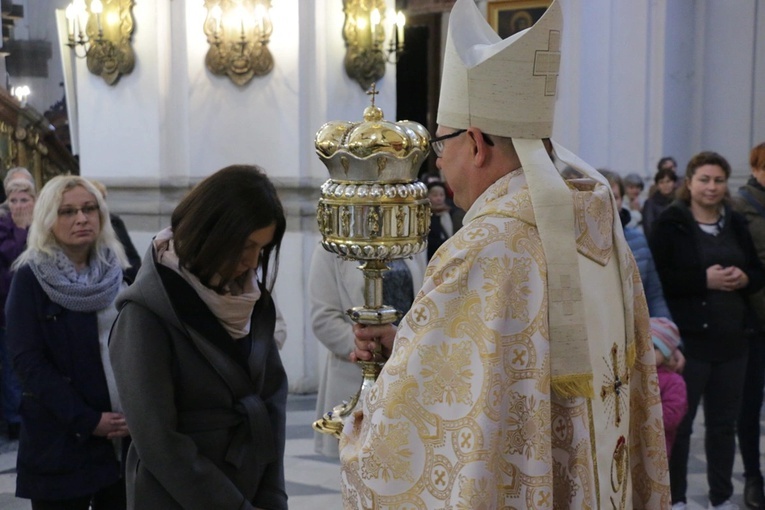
pixel 368 338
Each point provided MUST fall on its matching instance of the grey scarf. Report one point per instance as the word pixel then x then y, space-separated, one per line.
pixel 89 290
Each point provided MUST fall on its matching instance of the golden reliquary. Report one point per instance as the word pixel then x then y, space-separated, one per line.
pixel 372 209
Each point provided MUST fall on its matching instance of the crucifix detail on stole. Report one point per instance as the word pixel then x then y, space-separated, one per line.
pixel 616 382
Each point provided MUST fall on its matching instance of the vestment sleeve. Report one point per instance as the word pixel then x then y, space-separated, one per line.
pixel 446 410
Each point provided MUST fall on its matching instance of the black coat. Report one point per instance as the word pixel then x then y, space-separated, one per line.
pixel 132 255
pixel 56 355
pixel 206 413
pixel 677 254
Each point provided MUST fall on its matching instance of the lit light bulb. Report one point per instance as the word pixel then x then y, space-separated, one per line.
pixel 216 13
pixel 260 18
pixel 400 22
pixel 374 19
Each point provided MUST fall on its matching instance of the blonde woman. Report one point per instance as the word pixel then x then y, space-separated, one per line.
pixel 59 312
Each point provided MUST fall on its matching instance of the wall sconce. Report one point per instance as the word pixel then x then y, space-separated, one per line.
pixel 101 32
pixel 364 34
pixel 238 33
pixel 21 93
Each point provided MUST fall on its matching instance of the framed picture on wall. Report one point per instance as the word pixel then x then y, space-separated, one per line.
pixel 507 17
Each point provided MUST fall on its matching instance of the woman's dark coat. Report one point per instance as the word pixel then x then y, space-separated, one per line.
pixel 208 425
pixel 677 256
pixel 56 355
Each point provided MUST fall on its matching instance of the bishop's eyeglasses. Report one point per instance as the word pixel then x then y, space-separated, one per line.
pixel 437 144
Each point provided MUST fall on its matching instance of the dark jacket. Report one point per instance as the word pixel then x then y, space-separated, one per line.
pixel 676 253
pixel 132 255
pixel 13 241
pixel 756 222
pixel 652 209
pixel 57 357
pixel 207 420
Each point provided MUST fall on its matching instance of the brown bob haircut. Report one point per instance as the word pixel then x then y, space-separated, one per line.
pixel 212 223
pixel 757 157
pixel 699 160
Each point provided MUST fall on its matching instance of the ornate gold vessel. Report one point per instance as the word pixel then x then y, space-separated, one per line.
pixel 372 209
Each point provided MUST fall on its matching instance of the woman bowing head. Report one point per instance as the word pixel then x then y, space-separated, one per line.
pixel 195 359
pixel 59 313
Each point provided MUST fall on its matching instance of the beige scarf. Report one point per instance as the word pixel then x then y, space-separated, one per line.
pixel 233 308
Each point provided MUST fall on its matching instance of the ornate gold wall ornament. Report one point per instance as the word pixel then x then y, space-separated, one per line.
pixel 381 213
pixel 364 35
pixel 103 30
pixel 238 32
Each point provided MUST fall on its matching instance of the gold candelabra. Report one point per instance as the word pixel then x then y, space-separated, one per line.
pixel 373 210
pixel 238 33
pixel 101 32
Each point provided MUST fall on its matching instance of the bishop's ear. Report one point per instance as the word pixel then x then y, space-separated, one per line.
pixel 480 144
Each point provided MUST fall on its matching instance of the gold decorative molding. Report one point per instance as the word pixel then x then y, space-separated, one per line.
pixel 103 29
pixel 27 139
pixel 238 33
pixel 364 39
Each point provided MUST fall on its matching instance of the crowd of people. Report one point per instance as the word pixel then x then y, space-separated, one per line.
pixel 531 347
pixel 700 248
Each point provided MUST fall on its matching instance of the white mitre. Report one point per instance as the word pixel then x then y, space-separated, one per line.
pixel 508 88
pixel 503 87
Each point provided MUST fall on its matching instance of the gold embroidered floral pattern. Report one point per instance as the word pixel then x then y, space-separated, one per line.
pixel 593 220
pixel 465 410
pixel 506 286
pixel 474 495
pixel 386 456
pixel 527 428
pixel 446 373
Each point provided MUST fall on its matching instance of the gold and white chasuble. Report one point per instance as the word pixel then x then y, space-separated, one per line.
pixel 463 417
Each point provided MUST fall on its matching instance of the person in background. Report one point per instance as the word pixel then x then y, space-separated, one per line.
pixel 122 234
pixel 633 201
pixel 654 294
pixel 667 163
pixel 674 396
pixel 750 202
pixel 194 356
pixel 441 225
pixel 59 312
pixel 708 265
pixel 334 286
pixel 14 227
pixel 18 172
pixel 663 195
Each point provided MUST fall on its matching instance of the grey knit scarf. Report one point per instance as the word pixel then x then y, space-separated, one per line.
pixel 89 290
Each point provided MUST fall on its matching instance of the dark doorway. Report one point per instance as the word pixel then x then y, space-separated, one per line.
pixel 418 75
